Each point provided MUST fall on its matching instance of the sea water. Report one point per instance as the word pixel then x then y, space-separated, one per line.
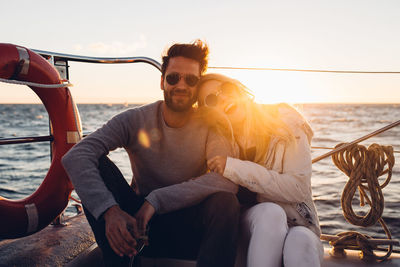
pixel 23 166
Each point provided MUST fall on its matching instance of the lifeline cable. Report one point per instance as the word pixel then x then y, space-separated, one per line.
pixel 365 137
pixel 305 70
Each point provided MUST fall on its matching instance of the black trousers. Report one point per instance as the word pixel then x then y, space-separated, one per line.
pixel 206 232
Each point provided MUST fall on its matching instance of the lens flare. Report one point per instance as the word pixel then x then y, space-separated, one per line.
pixel 143 138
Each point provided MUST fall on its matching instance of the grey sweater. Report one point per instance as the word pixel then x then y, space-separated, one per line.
pixel 169 163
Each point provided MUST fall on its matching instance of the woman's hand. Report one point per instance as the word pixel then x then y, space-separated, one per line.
pixel 217 164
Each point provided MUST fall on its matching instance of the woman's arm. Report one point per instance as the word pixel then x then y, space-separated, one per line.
pixel 292 184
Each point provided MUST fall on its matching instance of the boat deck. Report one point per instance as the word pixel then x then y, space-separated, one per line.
pixel 53 246
pixel 93 257
pixel 74 246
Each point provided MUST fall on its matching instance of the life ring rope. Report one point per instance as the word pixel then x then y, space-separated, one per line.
pixel 40 85
pixel 77 135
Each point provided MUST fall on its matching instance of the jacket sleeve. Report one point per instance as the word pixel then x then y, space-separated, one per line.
pixel 81 163
pixel 288 181
pixel 193 191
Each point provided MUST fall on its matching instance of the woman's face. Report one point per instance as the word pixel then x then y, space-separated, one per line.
pixel 225 98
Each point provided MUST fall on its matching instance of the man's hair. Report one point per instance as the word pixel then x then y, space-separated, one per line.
pixel 198 51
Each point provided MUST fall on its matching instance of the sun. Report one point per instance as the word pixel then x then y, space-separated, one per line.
pixel 276 87
pixel 271 87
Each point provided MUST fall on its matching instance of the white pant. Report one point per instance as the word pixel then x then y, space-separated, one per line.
pixel 265 240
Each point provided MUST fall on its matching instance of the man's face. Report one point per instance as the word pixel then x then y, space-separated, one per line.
pixel 179 83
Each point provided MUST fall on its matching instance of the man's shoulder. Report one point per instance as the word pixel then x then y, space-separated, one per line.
pixel 147 107
pixel 150 109
pixel 198 122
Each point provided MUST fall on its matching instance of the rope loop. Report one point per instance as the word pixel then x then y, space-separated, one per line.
pixel 363 167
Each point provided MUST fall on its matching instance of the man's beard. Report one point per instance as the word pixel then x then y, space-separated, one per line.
pixel 180 106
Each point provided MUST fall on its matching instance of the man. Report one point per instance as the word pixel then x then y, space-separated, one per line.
pixel 194 214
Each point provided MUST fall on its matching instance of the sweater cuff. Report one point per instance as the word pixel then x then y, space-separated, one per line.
pixel 99 210
pixel 229 171
pixel 153 200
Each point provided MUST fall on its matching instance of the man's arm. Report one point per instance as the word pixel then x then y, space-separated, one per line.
pixel 82 161
pixel 189 193
pixel 193 191
pixel 81 164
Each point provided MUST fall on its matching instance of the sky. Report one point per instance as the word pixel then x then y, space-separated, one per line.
pixel 313 34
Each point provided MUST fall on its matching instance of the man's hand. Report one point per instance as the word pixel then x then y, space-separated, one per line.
pixel 143 216
pixel 217 164
pixel 117 233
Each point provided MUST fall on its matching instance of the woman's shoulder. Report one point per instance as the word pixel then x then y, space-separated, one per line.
pixel 287 113
pixel 294 119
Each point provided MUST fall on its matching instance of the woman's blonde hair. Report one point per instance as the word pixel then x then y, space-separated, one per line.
pixel 262 123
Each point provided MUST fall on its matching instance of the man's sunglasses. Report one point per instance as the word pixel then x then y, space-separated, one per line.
pixel 174 77
pixel 226 89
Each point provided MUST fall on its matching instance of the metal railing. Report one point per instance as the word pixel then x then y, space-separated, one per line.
pixel 60 62
pixel 104 60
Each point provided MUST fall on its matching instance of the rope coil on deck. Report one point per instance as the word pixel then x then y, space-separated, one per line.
pixel 363 167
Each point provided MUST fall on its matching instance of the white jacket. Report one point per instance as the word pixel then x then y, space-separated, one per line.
pixel 285 178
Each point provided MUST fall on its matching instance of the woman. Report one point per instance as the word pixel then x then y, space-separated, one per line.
pixel 275 163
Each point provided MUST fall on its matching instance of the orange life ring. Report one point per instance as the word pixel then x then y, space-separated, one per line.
pixel 29 215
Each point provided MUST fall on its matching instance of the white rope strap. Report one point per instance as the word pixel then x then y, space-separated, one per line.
pixel 36 84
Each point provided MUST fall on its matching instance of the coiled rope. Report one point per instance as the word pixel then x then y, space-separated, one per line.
pixel 363 167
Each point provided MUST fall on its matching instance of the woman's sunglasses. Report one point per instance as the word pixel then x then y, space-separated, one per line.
pixel 174 77
pixel 226 89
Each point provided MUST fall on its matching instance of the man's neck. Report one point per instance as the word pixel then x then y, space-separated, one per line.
pixel 175 119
